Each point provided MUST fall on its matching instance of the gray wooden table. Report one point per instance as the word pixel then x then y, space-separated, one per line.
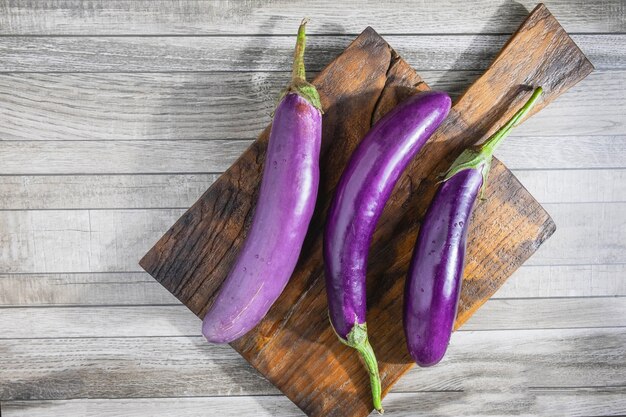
pixel 116 115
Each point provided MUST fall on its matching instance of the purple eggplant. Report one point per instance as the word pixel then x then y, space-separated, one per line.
pixel 359 199
pixel 433 285
pixel 284 208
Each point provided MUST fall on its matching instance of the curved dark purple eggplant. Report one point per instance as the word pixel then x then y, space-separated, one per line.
pixel 433 285
pixel 282 215
pixel 359 199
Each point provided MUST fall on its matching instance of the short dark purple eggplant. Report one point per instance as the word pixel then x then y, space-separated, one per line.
pixel 284 208
pixel 359 199
pixel 433 285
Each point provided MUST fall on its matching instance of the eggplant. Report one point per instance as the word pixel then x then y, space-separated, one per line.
pixel 285 204
pixel 361 194
pixel 433 285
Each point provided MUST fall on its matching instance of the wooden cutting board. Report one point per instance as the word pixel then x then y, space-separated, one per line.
pixel 294 346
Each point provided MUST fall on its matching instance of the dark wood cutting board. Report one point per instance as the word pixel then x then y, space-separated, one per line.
pixel 294 346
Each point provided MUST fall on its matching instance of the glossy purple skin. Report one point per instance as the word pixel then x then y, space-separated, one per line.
pixel 281 219
pixel 433 285
pixel 360 197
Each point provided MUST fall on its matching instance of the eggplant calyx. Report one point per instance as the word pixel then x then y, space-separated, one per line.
pixel 480 158
pixel 357 339
pixel 470 159
pixel 305 90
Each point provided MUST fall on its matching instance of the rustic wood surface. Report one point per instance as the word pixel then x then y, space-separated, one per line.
pixel 235 106
pixel 130 150
pixel 294 341
pixel 147 17
pixel 210 53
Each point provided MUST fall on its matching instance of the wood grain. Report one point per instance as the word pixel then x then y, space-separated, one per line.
pixel 565 281
pixel 575 403
pixel 176 320
pixel 118 157
pixel 158 191
pixel 575 185
pixel 279 17
pixel 262 53
pixel 575 246
pixel 108 107
pixel 209 106
pixel 294 341
pixel 199 156
pixel 138 288
pixel 102 191
pixel 236 406
pixel 597 401
pixel 112 288
pixel 559 153
pixel 81 241
pixel 495 362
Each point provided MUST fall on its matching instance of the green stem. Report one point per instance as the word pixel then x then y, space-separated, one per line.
pixel 357 339
pixel 490 145
pixel 367 353
pixel 480 158
pixel 298 72
pixel 299 84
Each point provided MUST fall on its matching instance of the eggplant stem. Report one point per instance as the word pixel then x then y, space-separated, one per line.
pixel 367 353
pixel 298 72
pixel 480 158
pixel 358 340
pixel 298 83
pixel 490 145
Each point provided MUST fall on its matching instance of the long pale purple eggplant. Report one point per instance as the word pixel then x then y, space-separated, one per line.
pixel 283 212
pixel 359 199
pixel 433 285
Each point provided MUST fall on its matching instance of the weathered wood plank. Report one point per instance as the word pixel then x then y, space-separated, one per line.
pixel 588 234
pixel 549 313
pixel 195 17
pixel 565 281
pixel 119 157
pixel 182 190
pixel 237 105
pixel 429 403
pixel 564 152
pixel 114 240
pixel 123 368
pixel 514 356
pixel 177 320
pixel 138 288
pixel 202 156
pixel 121 288
pixel 575 186
pixel 594 401
pixel 236 406
pixel 582 402
pixel 146 106
pixel 253 53
pixel 102 191
pixel 137 106
pixel 502 361
pixel 108 321
pixel 555 403
pixel 79 240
